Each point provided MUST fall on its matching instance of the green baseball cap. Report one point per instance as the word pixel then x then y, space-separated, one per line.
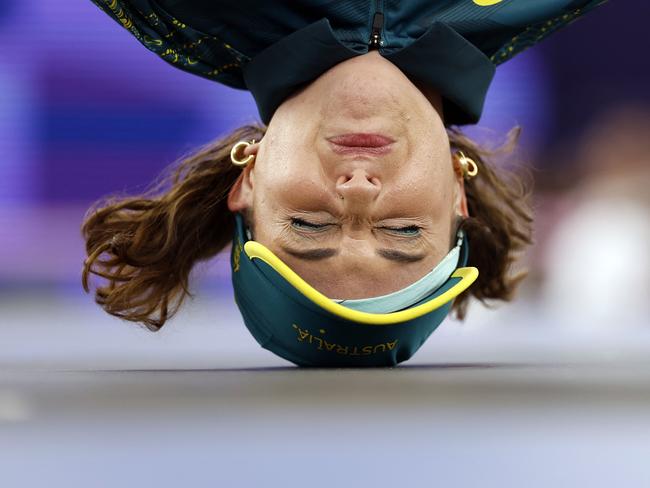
pixel 290 318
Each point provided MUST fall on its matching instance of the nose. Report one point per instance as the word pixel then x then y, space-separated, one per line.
pixel 358 187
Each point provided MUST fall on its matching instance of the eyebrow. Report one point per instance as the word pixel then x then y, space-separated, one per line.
pixel 324 253
pixel 399 256
pixel 311 254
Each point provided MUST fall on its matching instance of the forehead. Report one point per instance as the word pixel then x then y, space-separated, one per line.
pixel 348 276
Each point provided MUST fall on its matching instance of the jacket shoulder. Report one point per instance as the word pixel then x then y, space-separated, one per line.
pixel 176 42
pixel 502 29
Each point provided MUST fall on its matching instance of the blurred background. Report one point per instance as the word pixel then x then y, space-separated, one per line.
pixel 548 390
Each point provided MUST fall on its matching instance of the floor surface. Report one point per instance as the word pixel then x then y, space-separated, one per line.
pixel 87 400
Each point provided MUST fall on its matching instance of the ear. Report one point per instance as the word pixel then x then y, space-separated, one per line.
pixel 460 204
pixel 240 196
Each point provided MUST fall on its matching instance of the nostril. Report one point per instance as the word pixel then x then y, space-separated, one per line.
pixel 342 180
pixel 357 177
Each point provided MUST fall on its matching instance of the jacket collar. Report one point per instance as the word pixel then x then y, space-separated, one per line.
pixel 440 58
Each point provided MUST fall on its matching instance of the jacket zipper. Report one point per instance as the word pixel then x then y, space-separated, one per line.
pixel 376 41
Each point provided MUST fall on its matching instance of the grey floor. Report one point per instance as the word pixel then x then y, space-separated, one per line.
pixel 505 399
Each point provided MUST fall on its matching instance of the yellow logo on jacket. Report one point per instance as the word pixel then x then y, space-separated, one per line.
pixel 486 3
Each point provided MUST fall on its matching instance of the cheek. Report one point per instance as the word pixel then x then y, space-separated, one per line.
pixel 431 182
pixel 284 156
pixel 428 194
pixel 290 187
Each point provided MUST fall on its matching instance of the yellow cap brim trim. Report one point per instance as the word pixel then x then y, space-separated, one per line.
pixel 255 250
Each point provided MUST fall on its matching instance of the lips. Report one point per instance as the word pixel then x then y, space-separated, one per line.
pixel 361 143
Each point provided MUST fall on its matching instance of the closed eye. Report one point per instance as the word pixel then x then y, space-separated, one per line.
pixel 408 231
pixel 304 225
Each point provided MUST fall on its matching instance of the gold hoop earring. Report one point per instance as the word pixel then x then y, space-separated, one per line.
pixel 235 149
pixel 468 166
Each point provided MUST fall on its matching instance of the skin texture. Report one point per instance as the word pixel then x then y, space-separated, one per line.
pixel 355 205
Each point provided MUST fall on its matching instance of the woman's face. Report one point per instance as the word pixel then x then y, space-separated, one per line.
pixel 354 222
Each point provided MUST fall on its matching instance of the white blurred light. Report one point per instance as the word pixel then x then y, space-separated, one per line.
pixel 599 266
pixel 13 407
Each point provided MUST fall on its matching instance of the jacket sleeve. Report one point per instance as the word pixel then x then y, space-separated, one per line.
pixel 177 43
pixel 534 24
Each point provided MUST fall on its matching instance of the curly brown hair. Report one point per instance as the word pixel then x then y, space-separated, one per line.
pixel 145 246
